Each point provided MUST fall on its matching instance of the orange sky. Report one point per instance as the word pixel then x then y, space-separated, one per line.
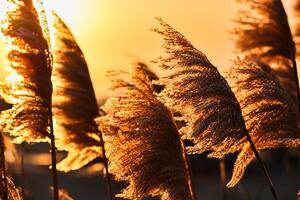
pixel 115 33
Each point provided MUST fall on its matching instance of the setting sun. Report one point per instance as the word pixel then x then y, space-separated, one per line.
pixel 97 25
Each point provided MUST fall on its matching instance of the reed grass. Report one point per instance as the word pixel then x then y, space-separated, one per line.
pixel 143 144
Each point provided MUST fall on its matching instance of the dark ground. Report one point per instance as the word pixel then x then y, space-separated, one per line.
pixel 283 166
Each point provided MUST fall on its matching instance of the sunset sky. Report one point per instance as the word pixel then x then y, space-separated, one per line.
pixel 115 33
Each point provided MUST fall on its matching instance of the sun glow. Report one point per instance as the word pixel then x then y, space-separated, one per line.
pixel 67 9
pixel 13 77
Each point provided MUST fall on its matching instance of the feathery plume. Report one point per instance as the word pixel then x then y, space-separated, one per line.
pixel 263 36
pixel 211 110
pixel 143 144
pixel 74 103
pixel 28 86
pixel 202 96
pixel 267 110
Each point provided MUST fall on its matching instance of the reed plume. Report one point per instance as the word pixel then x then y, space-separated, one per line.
pixel 263 36
pixel 74 103
pixel 143 144
pixel 28 86
pixel 268 113
pixel 202 96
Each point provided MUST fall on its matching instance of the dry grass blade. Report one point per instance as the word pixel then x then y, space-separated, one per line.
pixel 263 36
pixel 63 195
pixel 73 100
pixel 28 86
pixel 202 96
pixel 8 191
pixel 145 69
pixel 13 192
pixel 143 144
pixel 267 110
pixel 3 179
pixel 5 189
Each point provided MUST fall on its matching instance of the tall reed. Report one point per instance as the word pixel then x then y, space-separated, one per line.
pixel 267 110
pixel 28 86
pixel 76 131
pixel 143 144
pixel 272 47
pixel 197 91
pixel 195 88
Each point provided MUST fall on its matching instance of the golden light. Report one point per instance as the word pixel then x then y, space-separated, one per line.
pixel 4 6
pixel 13 77
pixel 113 33
pixel 69 10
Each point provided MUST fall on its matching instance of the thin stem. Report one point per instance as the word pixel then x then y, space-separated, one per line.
pixel 265 171
pixel 53 159
pixel 222 168
pixel 23 170
pixel 4 178
pixel 189 170
pixel 108 179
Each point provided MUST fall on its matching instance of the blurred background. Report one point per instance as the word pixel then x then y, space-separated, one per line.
pixel 113 34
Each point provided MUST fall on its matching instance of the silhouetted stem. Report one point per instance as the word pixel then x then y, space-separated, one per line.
pixel 265 171
pixel 23 171
pixel 222 169
pixel 295 70
pixel 189 170
pixel 53 159
pixel 4 178
pixel 108 179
